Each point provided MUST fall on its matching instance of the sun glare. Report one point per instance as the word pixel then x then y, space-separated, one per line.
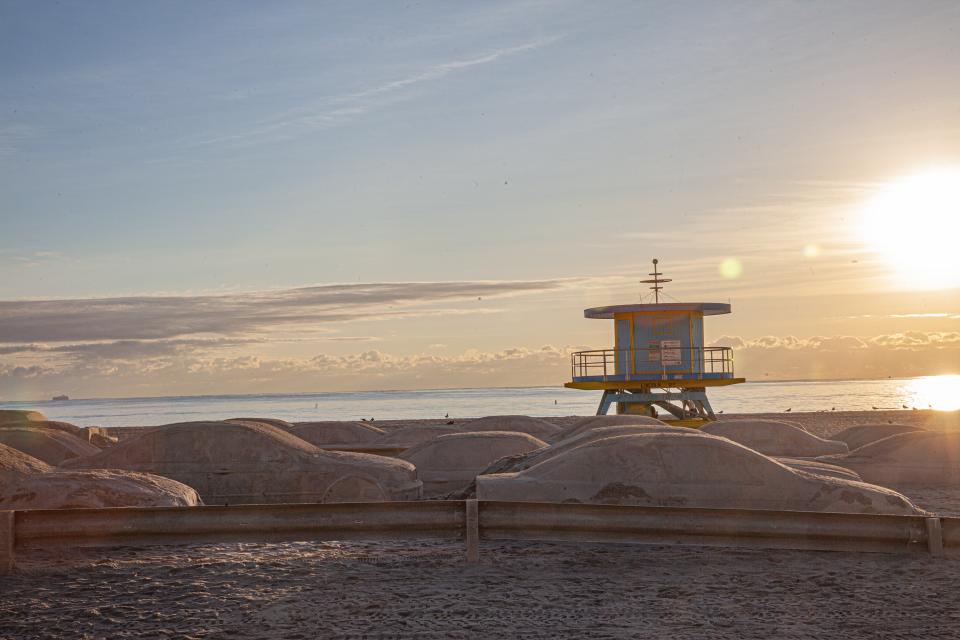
pixel 934 392
pixel 914 224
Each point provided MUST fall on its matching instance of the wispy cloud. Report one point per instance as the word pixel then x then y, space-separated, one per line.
pixel 305 308
pixel 333 110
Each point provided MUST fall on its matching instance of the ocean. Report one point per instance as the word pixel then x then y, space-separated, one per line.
pixel 937 392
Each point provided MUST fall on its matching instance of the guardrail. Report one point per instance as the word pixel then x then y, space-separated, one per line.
pixel 651 362
pixel 472 521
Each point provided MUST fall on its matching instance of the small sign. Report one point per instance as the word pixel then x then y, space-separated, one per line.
pixel 653 351
pixel 670 353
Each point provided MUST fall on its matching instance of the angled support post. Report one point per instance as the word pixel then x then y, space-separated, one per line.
pixel 605 402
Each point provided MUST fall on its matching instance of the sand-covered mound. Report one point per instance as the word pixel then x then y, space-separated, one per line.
pixel 863 434
pixel 16 416
pixel 16 461
pixel 774 438
pixel 72 429
pixel 916 457
pixel 273 422
pixel 53 446
pixel 522 424
pixel 597 422
pixel 451 462
pixel 28 483
pixel 673 469
pixel 247 463
pixel 527 460
pixel 336 433
pixel 92 489
pixel 406 437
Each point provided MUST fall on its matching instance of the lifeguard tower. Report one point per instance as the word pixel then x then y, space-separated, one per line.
pixel 658 361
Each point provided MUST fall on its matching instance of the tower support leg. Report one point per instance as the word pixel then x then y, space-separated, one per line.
pixel 706 408
pixel 605 401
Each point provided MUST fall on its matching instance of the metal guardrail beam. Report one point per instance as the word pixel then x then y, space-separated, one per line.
pixel 721 527
pixel 240 523
pixel 473 521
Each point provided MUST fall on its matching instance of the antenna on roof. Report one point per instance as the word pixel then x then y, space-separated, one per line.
pixel 657 281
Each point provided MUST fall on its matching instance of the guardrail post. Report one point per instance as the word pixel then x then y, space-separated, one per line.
pixel 472 532
pixel 6 541
pixel 934 537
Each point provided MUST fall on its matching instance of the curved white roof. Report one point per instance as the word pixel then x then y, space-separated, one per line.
pixel 708 309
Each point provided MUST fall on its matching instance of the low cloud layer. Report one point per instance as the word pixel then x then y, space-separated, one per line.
pixel 909 353
pixel 197 366
pixel 187 373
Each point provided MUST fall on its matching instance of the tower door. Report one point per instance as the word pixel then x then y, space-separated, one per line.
pixel 622 329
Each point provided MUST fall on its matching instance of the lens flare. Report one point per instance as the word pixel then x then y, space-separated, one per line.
pixel 731 268
pixel 811 251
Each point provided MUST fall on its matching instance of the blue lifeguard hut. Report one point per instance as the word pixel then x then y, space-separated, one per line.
pixel 658 361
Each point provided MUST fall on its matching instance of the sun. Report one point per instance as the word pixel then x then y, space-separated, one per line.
pixel 913 222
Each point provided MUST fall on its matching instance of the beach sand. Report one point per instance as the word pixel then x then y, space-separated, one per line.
pixel 530 590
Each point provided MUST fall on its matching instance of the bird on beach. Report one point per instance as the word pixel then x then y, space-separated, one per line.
pixel 904 406
pixel 789 410
pixel 446 415
pixel 833 408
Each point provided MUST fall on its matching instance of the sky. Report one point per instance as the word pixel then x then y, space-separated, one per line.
pixel 239 197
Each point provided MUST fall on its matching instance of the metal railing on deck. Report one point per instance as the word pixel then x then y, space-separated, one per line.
pixel 652 362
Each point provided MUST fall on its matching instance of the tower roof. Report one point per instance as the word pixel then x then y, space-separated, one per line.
pixel 708 309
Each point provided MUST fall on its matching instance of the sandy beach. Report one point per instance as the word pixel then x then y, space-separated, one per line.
pixel 536 590
pixel 529 590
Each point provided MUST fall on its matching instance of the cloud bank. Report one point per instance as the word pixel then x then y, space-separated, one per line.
pixel 910 353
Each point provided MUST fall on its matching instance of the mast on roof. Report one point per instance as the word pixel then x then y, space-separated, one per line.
pixel 657 281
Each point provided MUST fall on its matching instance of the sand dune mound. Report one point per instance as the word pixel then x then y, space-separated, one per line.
pixel 406 437
pixel 673 469
pixel 597 422
pixel 521 462
pixel 522 424
pixel 247 463
pixel 53 446
pixel 92 489
pixel 774 438
pixel 916 457
pixel 72 429
pixel 28 483
pixel 273 422
pixel 451 462
pixel 16 461
pixel 16 416
pixel 863 434
pixel 336 433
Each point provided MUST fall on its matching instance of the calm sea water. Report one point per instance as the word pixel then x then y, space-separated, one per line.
pixel 938 392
